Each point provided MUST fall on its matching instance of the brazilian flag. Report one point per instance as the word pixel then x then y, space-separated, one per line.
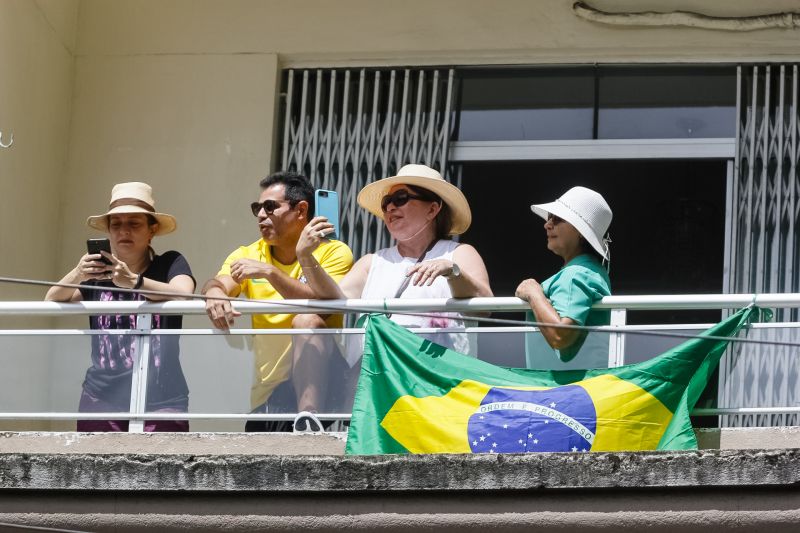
pixel 415 396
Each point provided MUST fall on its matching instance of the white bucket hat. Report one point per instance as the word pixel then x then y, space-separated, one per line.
pixel 133 197
pixel 421 176
pixel 587 211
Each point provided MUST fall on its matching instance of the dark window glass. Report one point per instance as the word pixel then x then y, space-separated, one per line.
pixel 526 104
pixel 666 102
pixel 668 233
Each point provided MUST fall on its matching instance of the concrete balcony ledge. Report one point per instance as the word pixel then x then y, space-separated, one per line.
pixel 278 482
pixel 270 473
pixel 282 462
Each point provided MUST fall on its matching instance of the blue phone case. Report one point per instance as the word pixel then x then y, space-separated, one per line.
pixel 327 205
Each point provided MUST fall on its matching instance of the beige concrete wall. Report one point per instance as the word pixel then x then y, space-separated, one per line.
pixel 37 39
pixel 422 31
pixel 36 75
pixel 198 128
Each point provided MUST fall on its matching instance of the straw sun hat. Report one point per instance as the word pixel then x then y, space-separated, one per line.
pixel 133 197
pixel 420 176
pixel 587 211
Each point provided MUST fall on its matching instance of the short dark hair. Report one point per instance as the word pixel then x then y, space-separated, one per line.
pixel 589 249
pixel 444 219
pixel 298 188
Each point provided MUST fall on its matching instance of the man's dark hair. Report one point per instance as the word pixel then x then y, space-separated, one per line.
pixel 298 188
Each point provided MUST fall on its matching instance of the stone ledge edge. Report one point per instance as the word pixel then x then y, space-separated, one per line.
pixel 387 473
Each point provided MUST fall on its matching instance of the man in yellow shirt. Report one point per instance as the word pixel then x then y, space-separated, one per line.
pixel 268 269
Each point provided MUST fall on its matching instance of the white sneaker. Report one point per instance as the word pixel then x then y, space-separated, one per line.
pixel 307 422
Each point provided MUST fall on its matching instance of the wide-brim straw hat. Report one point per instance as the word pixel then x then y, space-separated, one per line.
pixel 420 176
pixel 133 197
pixel 586 210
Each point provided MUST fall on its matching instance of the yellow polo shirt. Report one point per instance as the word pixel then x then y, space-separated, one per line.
pixel 273 357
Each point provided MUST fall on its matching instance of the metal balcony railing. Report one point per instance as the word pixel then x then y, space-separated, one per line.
pixel 617 330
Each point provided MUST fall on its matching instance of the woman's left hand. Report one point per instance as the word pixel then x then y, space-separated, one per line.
pixel 528 290
pixel 119 273
pixel 426 272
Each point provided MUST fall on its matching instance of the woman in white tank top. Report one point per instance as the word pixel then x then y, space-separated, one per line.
pixel 421 211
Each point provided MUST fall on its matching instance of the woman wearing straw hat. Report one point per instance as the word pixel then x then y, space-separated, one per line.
pixel 131 223
pixel 421 211
pixel 576 226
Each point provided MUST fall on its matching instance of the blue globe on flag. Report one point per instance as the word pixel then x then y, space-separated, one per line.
pixel 561 419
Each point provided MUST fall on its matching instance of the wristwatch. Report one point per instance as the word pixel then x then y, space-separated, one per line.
pixel 455 272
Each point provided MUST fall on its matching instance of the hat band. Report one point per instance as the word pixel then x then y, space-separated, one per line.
pixel 577 214
pixel 119 202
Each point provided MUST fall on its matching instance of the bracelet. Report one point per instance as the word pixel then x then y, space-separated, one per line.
pixel 139 282
pixel 304 267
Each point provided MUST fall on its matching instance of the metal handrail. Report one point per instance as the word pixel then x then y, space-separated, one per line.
pixel 498 304
pixel 618 305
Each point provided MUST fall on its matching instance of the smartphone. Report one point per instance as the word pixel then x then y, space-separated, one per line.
pixel 327 205
pixel 94 246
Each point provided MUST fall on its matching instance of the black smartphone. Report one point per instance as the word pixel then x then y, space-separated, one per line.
pixel 94 246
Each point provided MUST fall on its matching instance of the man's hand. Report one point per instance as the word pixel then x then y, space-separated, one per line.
pixel 221 313
pixel 312 236
pixel 243 269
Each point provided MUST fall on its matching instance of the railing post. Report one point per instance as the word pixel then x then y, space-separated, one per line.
pixel 616 341
pixel 141 364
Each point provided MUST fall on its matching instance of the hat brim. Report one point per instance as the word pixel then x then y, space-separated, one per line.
pixel 166 223
pixel 565 213
pixel 371 195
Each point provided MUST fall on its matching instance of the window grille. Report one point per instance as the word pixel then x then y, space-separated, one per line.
pixel 765 212
pixel 346 128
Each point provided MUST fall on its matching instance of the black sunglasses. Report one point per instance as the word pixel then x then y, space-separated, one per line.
pixel 400 198
pixel 269 207
pixel 554 219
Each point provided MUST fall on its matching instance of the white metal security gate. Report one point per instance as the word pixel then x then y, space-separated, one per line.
pixel 347 128
pixel 764 245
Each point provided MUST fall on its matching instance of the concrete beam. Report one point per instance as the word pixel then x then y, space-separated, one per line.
pixel 235 485
pixel 392 473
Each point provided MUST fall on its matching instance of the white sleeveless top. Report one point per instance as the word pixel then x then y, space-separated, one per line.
pixel 386 274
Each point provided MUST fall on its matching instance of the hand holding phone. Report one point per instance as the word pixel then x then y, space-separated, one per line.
pixel 327 205
pixel 95 246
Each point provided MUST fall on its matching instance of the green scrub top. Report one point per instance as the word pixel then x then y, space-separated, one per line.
pixel 572 291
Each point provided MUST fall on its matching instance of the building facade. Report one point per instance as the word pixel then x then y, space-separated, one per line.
pixel 688 124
